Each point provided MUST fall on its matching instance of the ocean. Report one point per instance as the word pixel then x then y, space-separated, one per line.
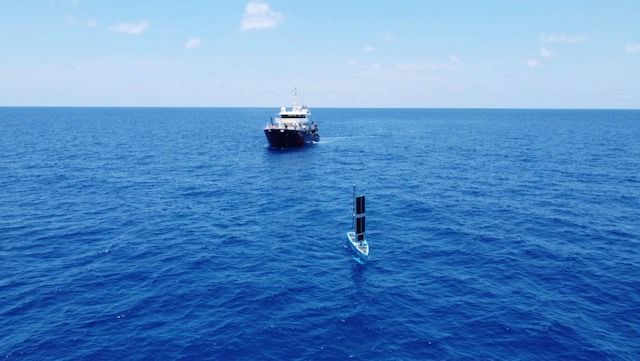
pixel 176 234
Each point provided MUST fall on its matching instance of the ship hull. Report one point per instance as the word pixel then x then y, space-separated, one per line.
pixel 289 138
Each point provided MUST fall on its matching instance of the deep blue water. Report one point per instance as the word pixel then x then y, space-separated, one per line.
pixel 140 233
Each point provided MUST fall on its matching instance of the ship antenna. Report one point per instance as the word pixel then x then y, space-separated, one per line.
pixel 295 97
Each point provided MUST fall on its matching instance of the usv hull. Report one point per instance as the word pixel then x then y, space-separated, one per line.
pixel 360 249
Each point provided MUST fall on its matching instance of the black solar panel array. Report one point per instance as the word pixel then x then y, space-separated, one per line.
pixel 360 228
pixel 360 218
pixel 359 204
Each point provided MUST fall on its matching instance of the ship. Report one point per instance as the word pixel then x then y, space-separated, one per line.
pixel 292 127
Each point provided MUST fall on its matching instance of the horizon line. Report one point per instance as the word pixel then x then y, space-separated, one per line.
pixel 320 107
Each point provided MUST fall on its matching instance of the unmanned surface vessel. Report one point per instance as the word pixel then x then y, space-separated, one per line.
pixel 357 241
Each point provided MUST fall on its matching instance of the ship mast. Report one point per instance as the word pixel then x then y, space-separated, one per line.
pixel 295 98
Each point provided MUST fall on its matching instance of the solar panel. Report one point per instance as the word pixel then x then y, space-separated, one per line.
pixel 359 204
pixel 360 225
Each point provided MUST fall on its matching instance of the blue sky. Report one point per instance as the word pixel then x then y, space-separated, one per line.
pixel 511 54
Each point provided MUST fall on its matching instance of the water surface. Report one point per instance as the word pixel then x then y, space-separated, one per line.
pixel 142 233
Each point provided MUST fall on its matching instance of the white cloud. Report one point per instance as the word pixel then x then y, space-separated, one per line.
pixel 454 58
pixel 387 37
pixel 352 62
pixel 632 48
pixel 563 38
pixel 424 67
pixel 259 15
pixel 70 20
pixel 546 53
pixel 193 43
pixel 73 21
pixel 368 49
pixel 69 2
pixel 533 63
pixel 131 28
pixel 406 72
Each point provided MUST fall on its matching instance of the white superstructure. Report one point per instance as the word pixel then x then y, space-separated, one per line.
pixel 297 117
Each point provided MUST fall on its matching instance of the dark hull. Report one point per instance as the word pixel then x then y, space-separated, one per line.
pixel 289 138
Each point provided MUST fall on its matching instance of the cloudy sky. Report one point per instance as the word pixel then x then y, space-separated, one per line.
pixel 511 54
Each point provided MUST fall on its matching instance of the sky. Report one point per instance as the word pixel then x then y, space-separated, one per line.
pixel 232 53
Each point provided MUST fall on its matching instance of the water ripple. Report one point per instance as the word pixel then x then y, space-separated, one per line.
pixel 496 234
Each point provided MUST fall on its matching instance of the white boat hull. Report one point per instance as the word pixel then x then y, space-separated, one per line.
pixel 359 249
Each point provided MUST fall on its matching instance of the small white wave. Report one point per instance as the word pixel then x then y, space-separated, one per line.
pixel 327 140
